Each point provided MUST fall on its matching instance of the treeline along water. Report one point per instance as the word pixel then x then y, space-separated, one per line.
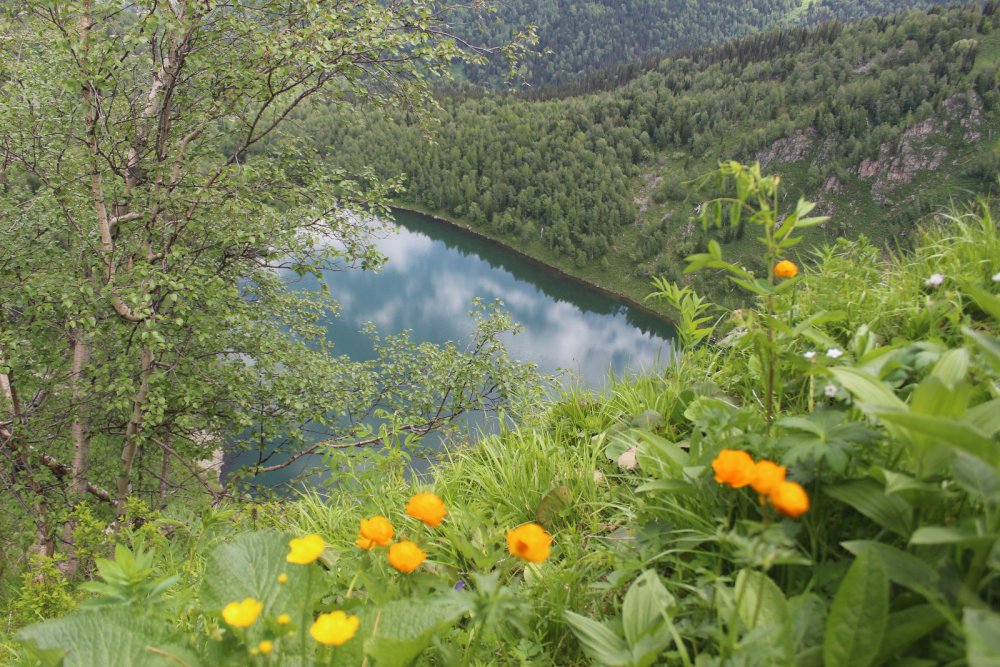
pixel 427 286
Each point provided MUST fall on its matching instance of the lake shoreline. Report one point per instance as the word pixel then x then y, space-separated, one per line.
pixel 632 301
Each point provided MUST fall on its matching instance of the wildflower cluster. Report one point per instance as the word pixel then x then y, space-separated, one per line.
pixel 404 555
pixel 529 542
pixel 262 626
pixel 737 469
pixel 331 629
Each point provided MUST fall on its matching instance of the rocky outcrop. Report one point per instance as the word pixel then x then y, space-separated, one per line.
pixel 792 148
pixel 895 165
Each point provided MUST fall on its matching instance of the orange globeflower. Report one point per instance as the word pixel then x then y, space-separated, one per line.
pixel 427 507
pixel 363 543
pixel 790 499
pixel 733 467
pixel 786 269
pixel 766 476
pixel 529 542
pixel 406 556
pixel 377 529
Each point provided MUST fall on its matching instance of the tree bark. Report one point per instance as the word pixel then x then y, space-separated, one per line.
pixel 80 432
pixel 132 433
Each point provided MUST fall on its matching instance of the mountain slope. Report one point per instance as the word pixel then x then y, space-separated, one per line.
pixel 874 120
pixel 577 38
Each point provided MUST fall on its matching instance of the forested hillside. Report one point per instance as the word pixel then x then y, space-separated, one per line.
pixel 874 119
pixel 576 38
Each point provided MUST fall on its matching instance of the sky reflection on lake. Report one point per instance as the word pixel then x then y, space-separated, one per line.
pixel 433 274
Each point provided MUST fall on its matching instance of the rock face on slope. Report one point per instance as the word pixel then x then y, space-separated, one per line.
pixel 923 147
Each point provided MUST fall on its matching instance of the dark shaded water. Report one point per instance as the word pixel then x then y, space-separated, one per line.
pixel 433 273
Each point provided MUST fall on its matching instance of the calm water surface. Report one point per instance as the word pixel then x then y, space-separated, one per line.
pixel 428 284
pixel 435 271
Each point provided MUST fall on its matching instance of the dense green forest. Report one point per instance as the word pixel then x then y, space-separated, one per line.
pixel 876 120
pixel 576 38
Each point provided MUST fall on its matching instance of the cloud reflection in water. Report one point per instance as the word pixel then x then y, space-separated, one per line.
pixel 428 285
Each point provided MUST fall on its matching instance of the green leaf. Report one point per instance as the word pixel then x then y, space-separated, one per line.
pixel 811 657
pixel 982 637
pixel 249 567
pixel 986 301
pixel 109 638
pixel 952 367
pixel 901 567
pixel 897 482
pixel 956 433
pixel 867 389
pixel 645 606
pixel 671 486
pixel 553 504
pixel 406 627
pixel 985 417
pixel 858 616
pixel 976 478
pixel 599 642
pixel 949 535
pixel 811 222
pixel 908 627
pixel 761 601
pixel 989 346
pixel 869 498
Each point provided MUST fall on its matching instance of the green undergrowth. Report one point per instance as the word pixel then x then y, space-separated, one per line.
pixel 873 378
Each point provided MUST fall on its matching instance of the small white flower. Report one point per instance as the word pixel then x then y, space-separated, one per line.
pixel 996 278
pixel 830 390
pixel 935 280
pixel 835 353
pixel 810 355
pixel 628 460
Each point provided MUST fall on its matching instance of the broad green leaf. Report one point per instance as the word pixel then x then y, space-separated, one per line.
pixel 867 389
pixel 406 627
pixel 897 482
pixel 671 486
pixel 949 535
pixel 986 301
pixel 761 602
pixel 989 346
pixel 907 627
pixel 645 604
pixel 646 651
pixel 982 637
pixel 109 638
pixel 901 567
pixel 869 498
pixel 956 433
pixel 952 367
pixel 985 417
pixel 807 616
pixel 659 455
pixel 811 657
pixel 935 397
pixel 976 478
pixel 599 642
pixel 249 566
pixel 858 616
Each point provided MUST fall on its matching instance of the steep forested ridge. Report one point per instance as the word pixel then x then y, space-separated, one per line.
pixel 858 116
pixel 576 38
